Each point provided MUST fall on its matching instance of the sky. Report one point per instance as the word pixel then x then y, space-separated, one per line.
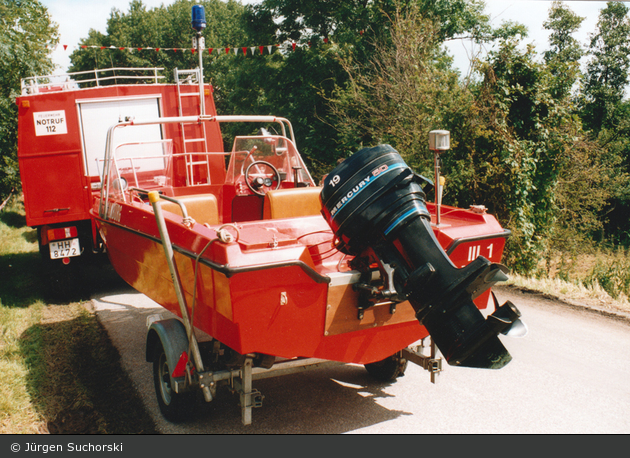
pixel 76 17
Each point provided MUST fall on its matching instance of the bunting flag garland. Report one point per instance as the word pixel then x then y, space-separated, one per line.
pixel 244 50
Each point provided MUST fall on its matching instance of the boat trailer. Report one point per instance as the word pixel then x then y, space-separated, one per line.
pixel 179 341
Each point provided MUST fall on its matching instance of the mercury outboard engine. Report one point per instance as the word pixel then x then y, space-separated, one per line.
pixel 376 207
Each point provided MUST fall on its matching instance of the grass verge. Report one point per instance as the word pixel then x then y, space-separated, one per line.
pixel 591 295
pixel 598 277
pixel 59 373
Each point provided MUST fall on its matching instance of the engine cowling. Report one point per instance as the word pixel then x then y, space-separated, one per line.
pixel 376 207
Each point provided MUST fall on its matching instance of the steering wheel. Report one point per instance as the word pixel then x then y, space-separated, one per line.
pixel 260 185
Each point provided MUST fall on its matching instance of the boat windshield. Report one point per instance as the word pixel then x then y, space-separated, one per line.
pixel 145 165
pixel 272 160
pixel 256 153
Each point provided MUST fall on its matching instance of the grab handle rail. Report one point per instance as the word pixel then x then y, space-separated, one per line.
pixel 181 204
pixel 154 198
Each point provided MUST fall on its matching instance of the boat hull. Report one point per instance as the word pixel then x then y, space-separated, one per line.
pixel 277 290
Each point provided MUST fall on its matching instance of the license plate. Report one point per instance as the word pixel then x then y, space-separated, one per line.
pixel 65 249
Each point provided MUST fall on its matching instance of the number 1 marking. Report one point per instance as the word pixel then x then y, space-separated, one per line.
pixel 475 251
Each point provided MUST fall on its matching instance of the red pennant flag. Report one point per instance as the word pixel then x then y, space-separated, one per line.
pixel 193 50
pixel 325 40
pixel 139 49
pixel 261 49
pixel 209 50
pixel 227 50
pixel 84 47
pixel 244 48
pixel 293 46
pixel 122 48
pixel 65 47
pixel 102 47
pixel 361 32
pixel 157 49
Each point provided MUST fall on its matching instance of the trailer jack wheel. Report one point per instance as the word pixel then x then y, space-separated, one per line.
pixel 174 406
pixel 388 369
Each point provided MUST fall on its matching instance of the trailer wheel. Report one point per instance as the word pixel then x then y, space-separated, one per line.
pixel 174 406
pixel 388 369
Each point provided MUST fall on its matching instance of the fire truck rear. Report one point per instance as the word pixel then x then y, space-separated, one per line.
pixel 61 141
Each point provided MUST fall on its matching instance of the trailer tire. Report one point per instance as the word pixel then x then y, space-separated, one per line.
pixel 175 407
pixel 388 369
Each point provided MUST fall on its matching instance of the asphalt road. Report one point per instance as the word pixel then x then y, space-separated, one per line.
pixel 569 375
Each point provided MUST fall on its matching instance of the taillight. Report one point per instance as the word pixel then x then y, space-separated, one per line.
pixel 62 233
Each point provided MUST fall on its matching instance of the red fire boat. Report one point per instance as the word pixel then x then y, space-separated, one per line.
pixel 275 270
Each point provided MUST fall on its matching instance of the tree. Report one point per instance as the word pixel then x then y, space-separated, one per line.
pixel 344 37
pixel 509 137
pixel 563 59
pixel 156 28
pixel 295 83
pixel 607 70
pixel 402 92
pixel 302 81
pixel 153 29
pixel 26 36
pixel 528 159
pixel 604 109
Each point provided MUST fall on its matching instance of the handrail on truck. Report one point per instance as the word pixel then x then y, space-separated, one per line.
pixel 32 85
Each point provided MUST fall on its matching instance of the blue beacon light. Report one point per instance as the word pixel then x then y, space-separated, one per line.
pixel 198 18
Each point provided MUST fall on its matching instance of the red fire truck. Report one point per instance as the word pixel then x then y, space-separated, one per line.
pixel 62 128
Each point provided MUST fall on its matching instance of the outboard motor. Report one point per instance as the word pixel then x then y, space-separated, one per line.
pixel 376 207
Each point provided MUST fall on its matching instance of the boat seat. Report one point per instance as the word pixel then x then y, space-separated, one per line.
pixel 203 208
pixel 292 202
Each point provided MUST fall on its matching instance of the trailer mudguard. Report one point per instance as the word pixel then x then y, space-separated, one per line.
pixel 172 334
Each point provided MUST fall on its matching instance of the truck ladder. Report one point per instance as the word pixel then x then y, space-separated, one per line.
pixel 193 133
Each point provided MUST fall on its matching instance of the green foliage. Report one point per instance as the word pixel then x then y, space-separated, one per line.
pixel 512 141
pixel 604 109
pixel 162 27
pixel 300 82
pixel 296 84
pixel 533 165
pixel 563 57
pixel 607 70
pixel 613 275
pixel 401 93
pixel 26 34
pixel 513 160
